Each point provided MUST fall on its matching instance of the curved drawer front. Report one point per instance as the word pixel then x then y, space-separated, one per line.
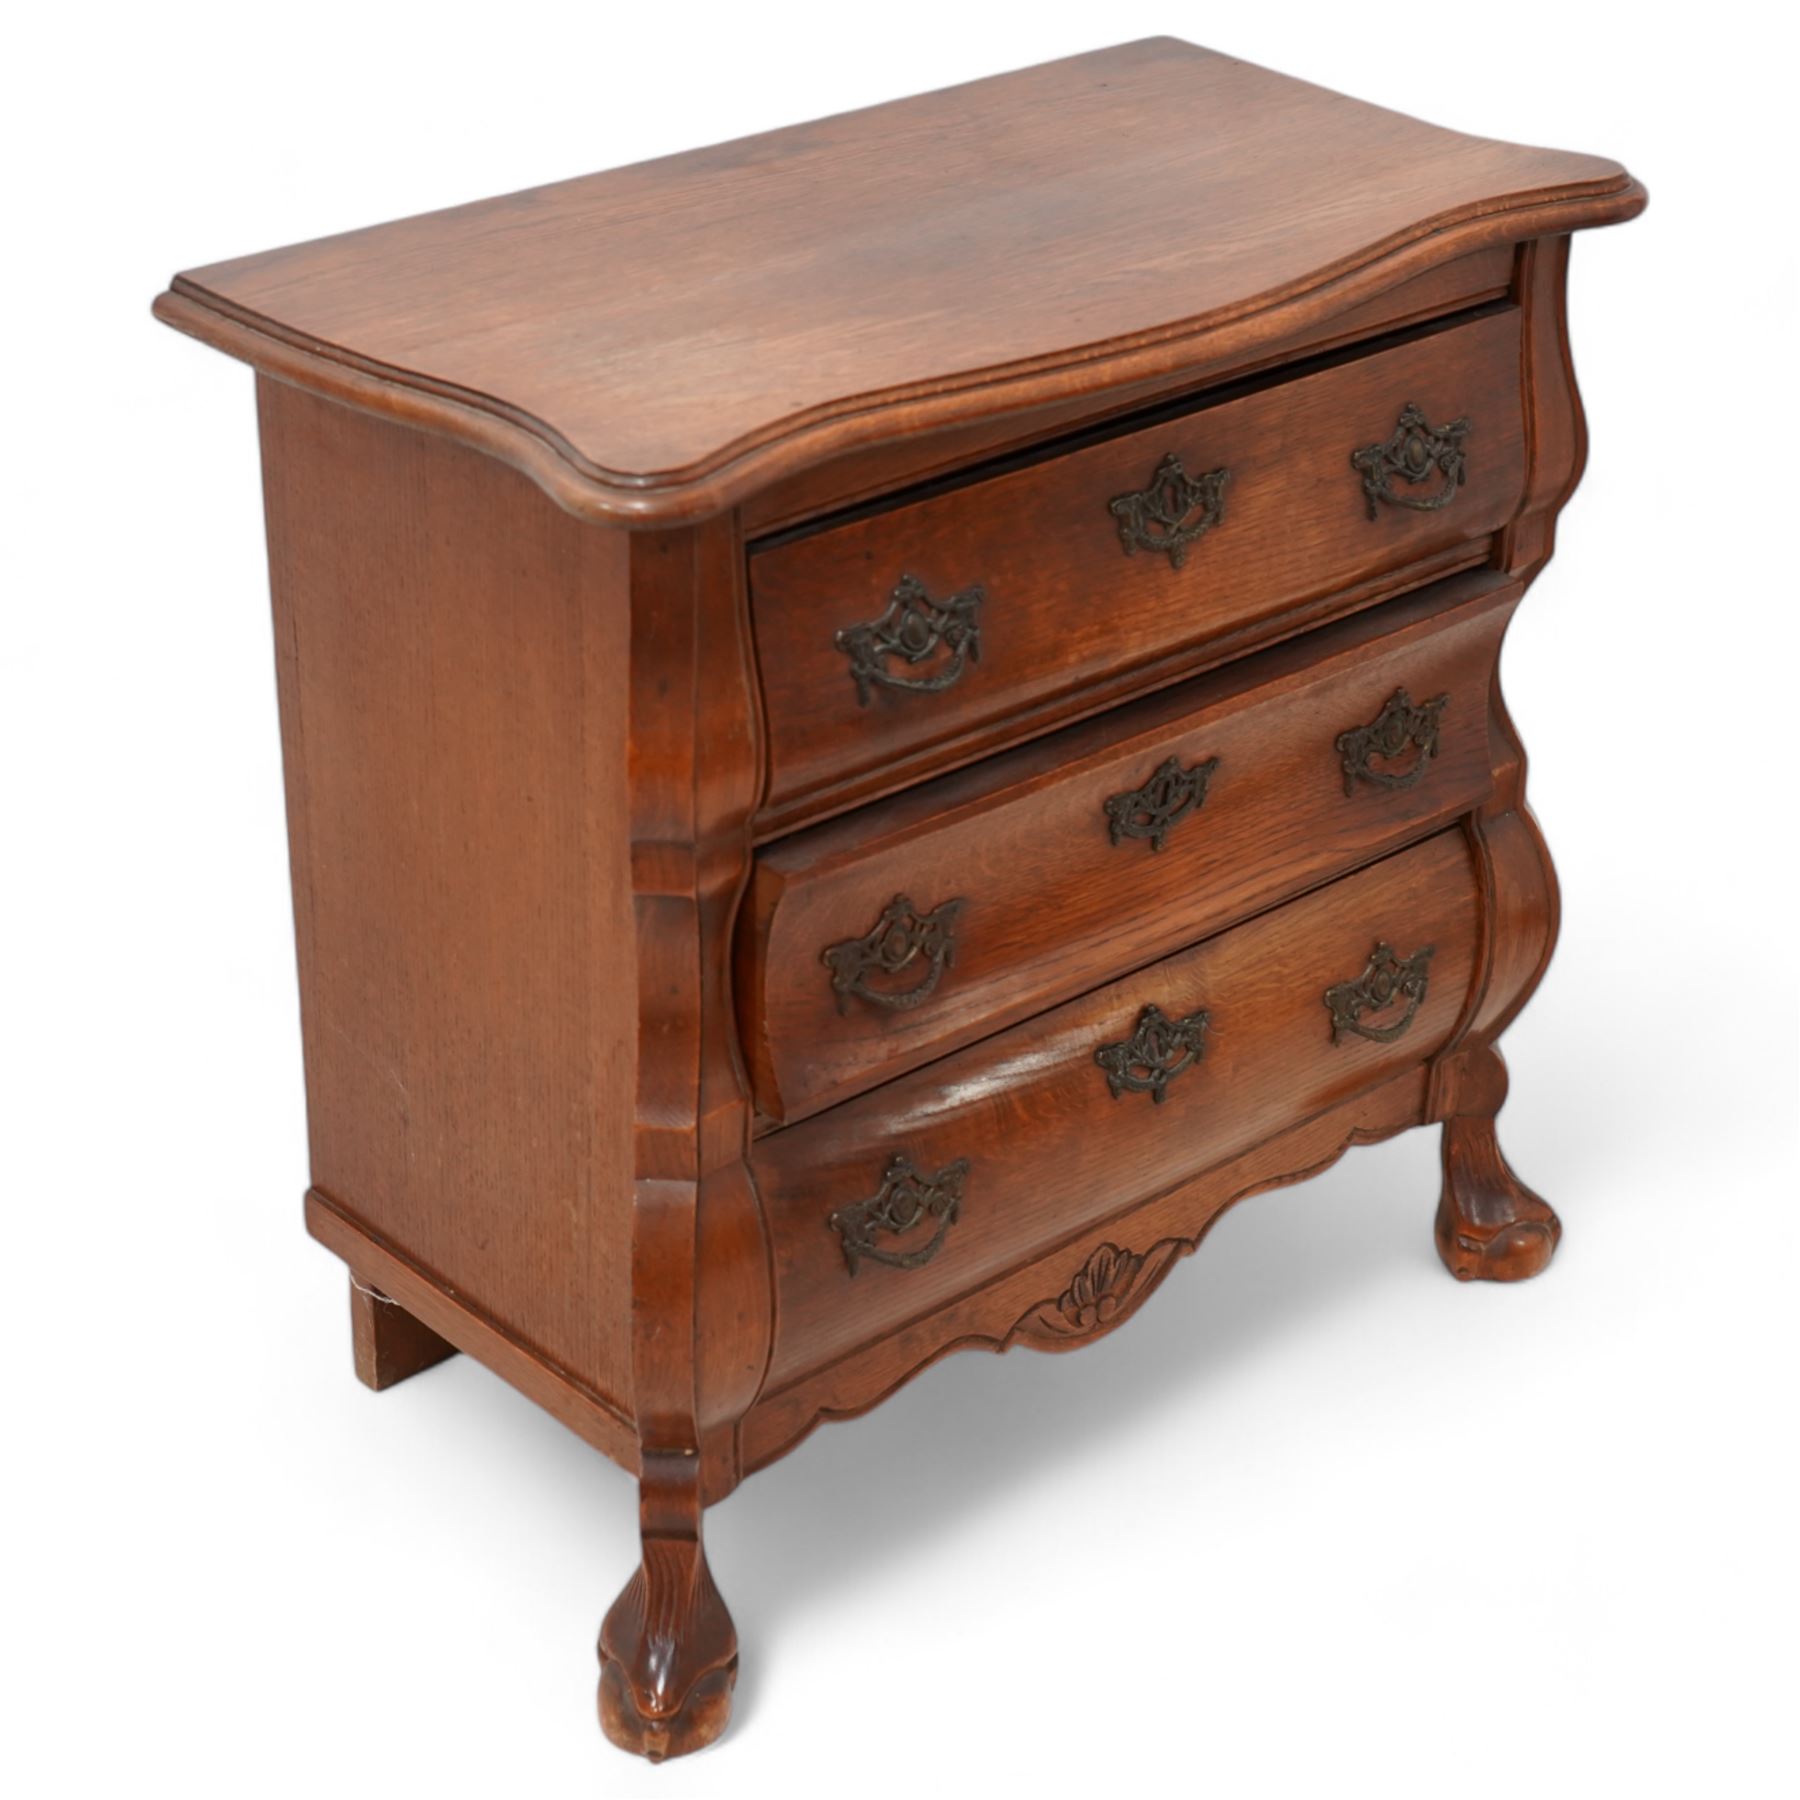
pixel 877 942
pixel 895 1203
pixel 895 643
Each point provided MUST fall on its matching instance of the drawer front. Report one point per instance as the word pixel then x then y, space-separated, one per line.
pixel 923 634
pixel 893 1204
pixel 914 926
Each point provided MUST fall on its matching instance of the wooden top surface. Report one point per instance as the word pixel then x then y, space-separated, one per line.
pixel 653 341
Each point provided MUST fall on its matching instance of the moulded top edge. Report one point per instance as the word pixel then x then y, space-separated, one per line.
pixel 653 342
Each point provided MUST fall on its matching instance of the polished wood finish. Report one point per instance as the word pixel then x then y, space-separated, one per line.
pixel 570 495
pixel 1490 1226
pixel 461 897
pixel 1051 1150
pixel 885 467
pixel 1051 906
pixel 1041 542
pixel 992 247
pixel 387 1343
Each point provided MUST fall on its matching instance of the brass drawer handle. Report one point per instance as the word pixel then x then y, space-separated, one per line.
pixel 1412 454
pixel 905 1200
pixel 1157 517
pixel 1398 726
pixel 901 937
pixel 1170 794
pixel 1388 978
pixel 913 627
pixel 1156 1052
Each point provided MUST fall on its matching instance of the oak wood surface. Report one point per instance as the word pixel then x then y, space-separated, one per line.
pixel 1062 603
pixel 1050 1148
pixel 701 1306
pixel 1490 1226
pixel 387 1343
pixel 893 463
pixel 1463 1085
pixel 569 803
pixel 990 1316
pixel 1050 906
pixel 452 1316
pixel 659 339
pixel 451 653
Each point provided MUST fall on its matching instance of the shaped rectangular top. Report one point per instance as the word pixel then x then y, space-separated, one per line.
pixel 652 342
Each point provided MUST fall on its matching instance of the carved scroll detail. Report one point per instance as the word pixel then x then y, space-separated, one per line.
pixel 1104 1292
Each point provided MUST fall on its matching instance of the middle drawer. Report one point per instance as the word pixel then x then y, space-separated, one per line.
pixel 874 943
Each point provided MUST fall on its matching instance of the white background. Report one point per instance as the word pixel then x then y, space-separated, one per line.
pixel 1321 1521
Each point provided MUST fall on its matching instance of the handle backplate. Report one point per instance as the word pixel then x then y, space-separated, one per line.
pixel 914 628
pixel 901 937
pixel 1399 726
pixel 1159 1049
pixel 905 1200
pixel 1150 811
pixel 1177 509
pixel 1389 980
pixel 1416 453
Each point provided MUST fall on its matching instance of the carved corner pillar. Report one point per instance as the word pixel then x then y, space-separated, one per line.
pixel 1556 439
pixel 668 1651
pixel 1489 1225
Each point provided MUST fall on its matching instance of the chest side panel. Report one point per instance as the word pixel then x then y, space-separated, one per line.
pixel 452 652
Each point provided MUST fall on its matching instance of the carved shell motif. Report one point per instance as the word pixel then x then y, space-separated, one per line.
pixel 1104 1291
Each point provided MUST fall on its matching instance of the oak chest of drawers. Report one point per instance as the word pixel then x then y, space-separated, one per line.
pixel 881 721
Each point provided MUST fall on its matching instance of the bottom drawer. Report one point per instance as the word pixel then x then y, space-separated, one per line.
pixel 895 1203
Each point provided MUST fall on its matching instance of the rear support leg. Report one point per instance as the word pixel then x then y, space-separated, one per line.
pixel 388 1343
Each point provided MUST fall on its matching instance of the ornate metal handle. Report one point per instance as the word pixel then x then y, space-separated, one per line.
pixel 905 1200
pixel 901 936
pixel 1157 518
pixel 1170 794
pixel 1387 735
pixel 1412 453
pixel 1155 1053
pixel 1387 979
pixel 911 629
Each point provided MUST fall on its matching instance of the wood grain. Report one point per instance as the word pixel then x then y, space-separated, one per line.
pixel 987 1317
pixel 1050 905
pixel 1050 1149
pixel 890 464
pixel 570 803
pixel 451 653
pixel 387 1343
pixel 1063 603
pixel 664 337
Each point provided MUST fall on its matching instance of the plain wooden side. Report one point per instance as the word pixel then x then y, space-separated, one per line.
pixel 452 652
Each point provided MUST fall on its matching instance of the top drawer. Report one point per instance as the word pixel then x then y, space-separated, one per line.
pixel 901 642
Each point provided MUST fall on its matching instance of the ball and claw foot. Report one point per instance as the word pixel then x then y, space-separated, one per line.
pixel 1490 1225
pixel 668 1655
